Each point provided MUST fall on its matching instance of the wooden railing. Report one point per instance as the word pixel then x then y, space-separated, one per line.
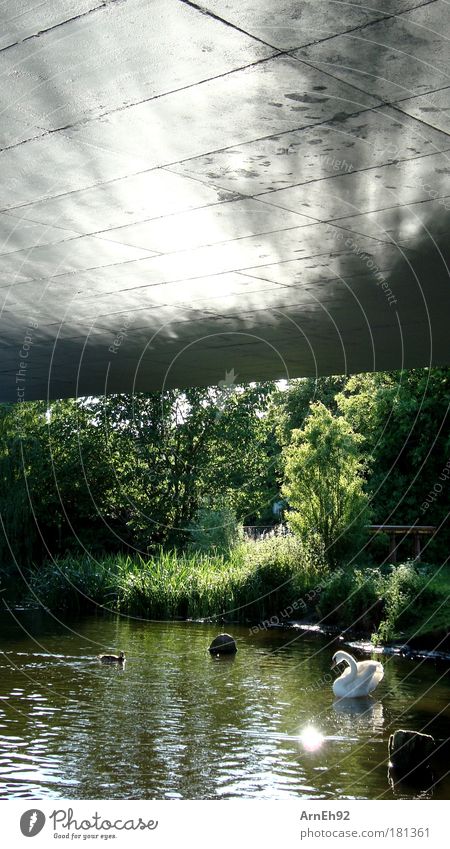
pixel 396 531
pixel 263 531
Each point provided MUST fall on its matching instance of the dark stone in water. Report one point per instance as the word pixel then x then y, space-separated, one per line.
pixel 223 644
pixel 418 780
pixel 410 751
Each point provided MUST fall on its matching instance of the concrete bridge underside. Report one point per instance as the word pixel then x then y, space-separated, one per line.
pixel 237 186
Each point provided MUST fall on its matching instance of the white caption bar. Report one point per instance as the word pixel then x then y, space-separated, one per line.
pixel 224 824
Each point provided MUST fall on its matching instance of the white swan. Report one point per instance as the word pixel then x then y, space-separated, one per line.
pixel 358 679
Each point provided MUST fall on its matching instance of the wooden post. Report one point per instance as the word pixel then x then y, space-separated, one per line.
pixel 402 530
pixel 416 546
pixel 392 548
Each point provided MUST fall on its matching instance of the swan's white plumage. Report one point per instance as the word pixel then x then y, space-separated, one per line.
pixel 358 679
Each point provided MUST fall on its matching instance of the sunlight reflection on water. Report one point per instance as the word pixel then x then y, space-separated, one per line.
pixel 258 727
pixel 311 739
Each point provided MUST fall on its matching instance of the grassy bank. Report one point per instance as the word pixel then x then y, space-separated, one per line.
pixel 253 581
pixel 270 581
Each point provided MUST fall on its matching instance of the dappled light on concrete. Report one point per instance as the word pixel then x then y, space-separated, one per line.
pixel 188 191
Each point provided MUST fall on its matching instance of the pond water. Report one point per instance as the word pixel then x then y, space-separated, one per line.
pixel 178 724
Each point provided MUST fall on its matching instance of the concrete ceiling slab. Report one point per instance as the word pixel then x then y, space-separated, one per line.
pixel 116 55
pixel 28 172
pixel 349 144
pixel 396 58
pixel 14 131
pixel 187 190
pixel 24 19
pixel 208 226
pixel 115 203
pixel 432 109
pixel 366 191
pixel 71 255
pixel 300 22
pixel 16 235
pixel 403 225
pixel 211 113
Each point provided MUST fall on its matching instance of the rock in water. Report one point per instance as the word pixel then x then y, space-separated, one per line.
pixel 410 751
pixel 223 644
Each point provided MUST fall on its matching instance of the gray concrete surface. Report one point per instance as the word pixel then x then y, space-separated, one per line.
pixel 188 190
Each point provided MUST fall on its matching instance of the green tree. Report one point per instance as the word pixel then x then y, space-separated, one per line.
pixel 403 418
pixel 24 465
pixel 185 447
pixel 324 484
pixel 290 405
pixel 129 471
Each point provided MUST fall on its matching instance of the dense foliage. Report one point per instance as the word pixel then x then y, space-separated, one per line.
pixel 127 472
pixel 122 475
pixel 403 418
pixel 324 485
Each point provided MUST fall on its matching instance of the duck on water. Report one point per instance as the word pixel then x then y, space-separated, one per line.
pixel 112 658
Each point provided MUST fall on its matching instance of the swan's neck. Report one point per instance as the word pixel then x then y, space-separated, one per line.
pixel 353 667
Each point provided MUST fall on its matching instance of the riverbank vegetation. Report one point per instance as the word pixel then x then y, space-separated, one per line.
pixel 137 504
pixel 268 583
pixel 249 583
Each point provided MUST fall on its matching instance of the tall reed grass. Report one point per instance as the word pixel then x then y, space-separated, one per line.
pixel 268 579
pixel 254 580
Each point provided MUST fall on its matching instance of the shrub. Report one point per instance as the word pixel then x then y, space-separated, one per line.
pixel 215 528
pixel 280 572
pixel 409 592
pixel 351 598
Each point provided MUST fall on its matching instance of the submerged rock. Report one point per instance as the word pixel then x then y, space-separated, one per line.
pixel 223 644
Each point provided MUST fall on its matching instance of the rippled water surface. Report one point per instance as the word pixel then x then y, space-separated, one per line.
pixel 176 723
